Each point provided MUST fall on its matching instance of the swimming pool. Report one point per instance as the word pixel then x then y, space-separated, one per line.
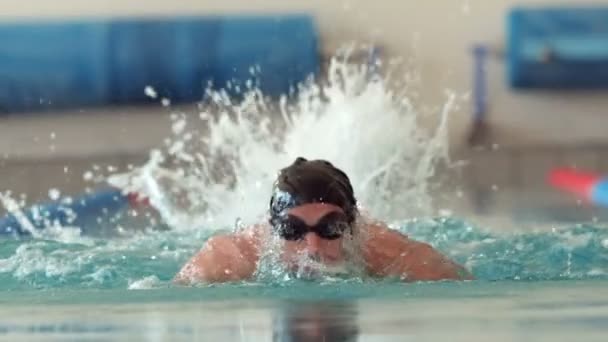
pixel 534 286
pixel 61 284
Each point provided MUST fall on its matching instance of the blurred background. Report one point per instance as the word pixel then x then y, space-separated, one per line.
pixel 531 130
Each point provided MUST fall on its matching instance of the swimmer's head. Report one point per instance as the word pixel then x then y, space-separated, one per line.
pixel 312 182
pixel 313 209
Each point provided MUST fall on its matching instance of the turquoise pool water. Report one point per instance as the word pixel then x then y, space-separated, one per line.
pixel 543 286
pixel 540 286
pixel 149 260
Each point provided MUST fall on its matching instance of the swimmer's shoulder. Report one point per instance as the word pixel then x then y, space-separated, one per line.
pixel 389 252
pixel 245 241
pixel 253 234
pixel 377 236
pixel 224 257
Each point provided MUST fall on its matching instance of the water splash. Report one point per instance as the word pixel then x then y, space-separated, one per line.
pixel 220 167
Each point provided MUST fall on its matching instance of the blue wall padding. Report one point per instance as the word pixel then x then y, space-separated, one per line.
pixel 87 212
pixel 558 47
pixel 50 65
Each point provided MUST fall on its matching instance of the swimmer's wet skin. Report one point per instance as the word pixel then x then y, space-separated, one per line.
pixel 313 212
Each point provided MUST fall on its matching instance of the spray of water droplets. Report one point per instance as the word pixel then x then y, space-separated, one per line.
pixel 219 166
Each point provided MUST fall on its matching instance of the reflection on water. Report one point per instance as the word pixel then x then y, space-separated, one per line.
pixel 289 321
pixel 470 311
pixel 316 321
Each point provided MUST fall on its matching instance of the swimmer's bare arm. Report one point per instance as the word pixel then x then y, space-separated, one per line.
pixel 223 258
pixel 390 253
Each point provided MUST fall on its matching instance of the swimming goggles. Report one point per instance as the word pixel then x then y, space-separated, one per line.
pixel 330 227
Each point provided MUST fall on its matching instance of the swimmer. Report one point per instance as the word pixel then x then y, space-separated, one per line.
pixel 315 221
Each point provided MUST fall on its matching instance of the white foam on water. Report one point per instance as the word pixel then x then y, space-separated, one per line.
pixel 99 276
pixel 145 283
pixel 29 258
pixel 100 263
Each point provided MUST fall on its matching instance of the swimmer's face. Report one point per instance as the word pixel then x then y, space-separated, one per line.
pixel 320 241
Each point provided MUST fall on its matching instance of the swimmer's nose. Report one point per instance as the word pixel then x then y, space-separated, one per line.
pixel 313 242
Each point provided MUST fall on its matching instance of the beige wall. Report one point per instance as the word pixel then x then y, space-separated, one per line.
pixel 437 32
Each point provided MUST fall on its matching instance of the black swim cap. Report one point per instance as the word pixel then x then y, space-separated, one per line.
pixel 312 181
